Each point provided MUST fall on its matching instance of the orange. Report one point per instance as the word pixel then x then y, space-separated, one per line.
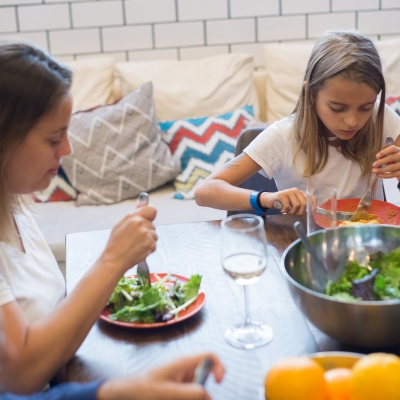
pixel 338 381
pixel 376 376
pixel 296 378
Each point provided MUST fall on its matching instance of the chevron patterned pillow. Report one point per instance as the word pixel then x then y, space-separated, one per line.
pixel 394 103
pixel 203 145
pixel 59 190
pixel 118 151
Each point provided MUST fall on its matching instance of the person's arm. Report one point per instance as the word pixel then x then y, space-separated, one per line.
pixel 169 382
pixel 387 164
pixel 44 346
pixel 220 190
pixel 173 381
pixel 64 391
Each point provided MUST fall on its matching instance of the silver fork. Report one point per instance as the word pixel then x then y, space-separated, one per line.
pixel 366 201
pixel 142 268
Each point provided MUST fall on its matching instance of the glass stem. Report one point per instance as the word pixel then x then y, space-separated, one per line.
pixel 246 306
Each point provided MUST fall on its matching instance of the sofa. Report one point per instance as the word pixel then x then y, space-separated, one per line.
pixel 186 89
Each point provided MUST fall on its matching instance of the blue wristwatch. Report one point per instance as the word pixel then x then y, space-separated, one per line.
pixel 255 202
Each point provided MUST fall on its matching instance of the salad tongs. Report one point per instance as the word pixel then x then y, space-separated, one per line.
pixel 366 201
pixel 143 272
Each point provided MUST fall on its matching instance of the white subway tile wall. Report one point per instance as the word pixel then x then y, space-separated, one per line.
pixel 8 22
pixel 186 29
pixel 99 13
pixel 231 31
pixel 346 5
pixel 202 9
pixel 149 11
pixel 179 34
pixel 321 22
pixel 282 28
pixel 44 17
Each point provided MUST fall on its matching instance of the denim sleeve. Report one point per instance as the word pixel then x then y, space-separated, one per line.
pixel 64 391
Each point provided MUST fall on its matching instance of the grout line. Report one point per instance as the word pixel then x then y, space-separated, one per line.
pixel 205 32
pixel 71 23
pixel 380 4
pixel 126 55
pixel 280 7
pixel 228 3
pixel 330 5
pixel 153 36
pixel 16 17
pixel 178 51
pixel 48 41
pixel 101 40
pixel 256 28
pixel 306 26
pixel 356 22
pixel 176 11
pixel 123 12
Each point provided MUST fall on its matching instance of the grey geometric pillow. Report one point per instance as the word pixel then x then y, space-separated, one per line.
pixel 118 151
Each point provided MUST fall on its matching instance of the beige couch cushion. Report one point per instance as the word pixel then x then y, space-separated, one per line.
pixel 92 82
pixel 194 88
pixel 286 64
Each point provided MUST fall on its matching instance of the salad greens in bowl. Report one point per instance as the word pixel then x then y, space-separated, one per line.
pixel 365 318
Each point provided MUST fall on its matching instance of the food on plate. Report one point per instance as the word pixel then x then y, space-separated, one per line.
pixel 386 284
pixel 376 376
pixel 296 378
pixel 372 377
pixel 364 218
pixel 132 301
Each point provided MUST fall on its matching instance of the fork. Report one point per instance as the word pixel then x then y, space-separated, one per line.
pixel 142 268
pixel 366 201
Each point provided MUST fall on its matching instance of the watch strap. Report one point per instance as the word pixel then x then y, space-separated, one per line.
pixel 255 202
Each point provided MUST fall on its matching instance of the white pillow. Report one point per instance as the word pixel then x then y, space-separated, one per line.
pixel 194 88
pixel 286 64
pixel 92 82
pixel 389 51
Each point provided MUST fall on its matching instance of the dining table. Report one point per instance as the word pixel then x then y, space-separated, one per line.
pixel 194 248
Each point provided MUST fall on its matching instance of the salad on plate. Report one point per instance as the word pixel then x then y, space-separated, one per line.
pixel 161 301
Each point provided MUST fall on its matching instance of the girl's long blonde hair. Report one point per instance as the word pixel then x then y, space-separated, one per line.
pixel 31 84
pixel 353 57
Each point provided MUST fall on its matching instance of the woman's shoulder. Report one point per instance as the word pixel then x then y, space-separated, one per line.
pixel 282 127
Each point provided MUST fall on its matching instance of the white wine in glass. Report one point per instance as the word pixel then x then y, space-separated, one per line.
pixel 244 259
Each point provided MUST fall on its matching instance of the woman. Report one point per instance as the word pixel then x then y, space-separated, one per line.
pixel 45 328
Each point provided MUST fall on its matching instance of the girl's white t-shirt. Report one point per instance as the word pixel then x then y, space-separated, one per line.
pixel 274 150
pixel 32 278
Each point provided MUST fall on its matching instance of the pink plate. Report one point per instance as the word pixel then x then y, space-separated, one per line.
pixel 191 310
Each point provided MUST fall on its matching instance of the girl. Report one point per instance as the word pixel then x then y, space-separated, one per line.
pixel 44 328
pixel 333 138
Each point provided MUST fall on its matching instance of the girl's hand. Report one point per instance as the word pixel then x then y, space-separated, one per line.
pixel 132 239
pixel 294 201
pixel 170 382
pixel 388 163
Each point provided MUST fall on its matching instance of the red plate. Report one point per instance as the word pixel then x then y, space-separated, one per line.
pixel 191 310
pixel 387 212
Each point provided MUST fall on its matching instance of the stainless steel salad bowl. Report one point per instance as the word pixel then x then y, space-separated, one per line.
pixel 369 324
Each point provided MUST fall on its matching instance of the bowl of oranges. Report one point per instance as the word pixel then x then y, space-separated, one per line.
pixel 334 376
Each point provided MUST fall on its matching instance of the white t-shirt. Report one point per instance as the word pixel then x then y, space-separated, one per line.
pixel 32 278
pixel 274 149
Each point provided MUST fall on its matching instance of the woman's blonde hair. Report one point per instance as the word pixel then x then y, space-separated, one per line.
pixel 353 57
pixel 31 84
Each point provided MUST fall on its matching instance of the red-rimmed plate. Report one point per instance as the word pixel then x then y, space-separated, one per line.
pixel 387 212
pixel 191 310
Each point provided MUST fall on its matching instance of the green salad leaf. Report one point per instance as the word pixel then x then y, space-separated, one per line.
pixel 133 302
pixel 387 281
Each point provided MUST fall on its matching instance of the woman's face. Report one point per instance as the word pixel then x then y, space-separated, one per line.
pixel 36 160
pixel 344 106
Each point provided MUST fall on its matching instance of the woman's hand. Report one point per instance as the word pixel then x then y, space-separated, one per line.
pixel 132 239
pixel 294 201
pixel 387 164
pixel 170 382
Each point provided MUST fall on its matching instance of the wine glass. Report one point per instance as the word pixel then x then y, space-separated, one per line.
pixel 244 259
